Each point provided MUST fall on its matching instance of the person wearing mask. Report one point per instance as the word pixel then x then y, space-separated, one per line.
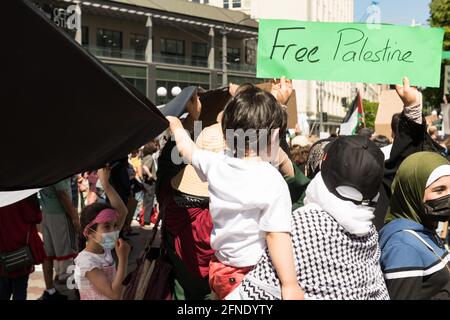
pixel 414 260
pixel 335 243
pixel 411 136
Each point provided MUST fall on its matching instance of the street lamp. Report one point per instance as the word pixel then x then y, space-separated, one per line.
pixel 175 91
pixel 161 92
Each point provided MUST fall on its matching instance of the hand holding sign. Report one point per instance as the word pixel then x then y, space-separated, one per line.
pixel 409 95
pixel 232 89
pixel 282 90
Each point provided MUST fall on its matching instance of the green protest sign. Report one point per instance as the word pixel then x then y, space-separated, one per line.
pixel 350 52
pixel 445 54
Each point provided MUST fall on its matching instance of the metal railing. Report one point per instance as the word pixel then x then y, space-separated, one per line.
pixel 131 54
pixel 182 60
pixel 242 67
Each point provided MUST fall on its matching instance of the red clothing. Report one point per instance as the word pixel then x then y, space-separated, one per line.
pixel 223 279
pixel 191 228
pixel 16 222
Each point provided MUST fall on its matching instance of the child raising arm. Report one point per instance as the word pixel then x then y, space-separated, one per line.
pixel 278 243
pixel 95 271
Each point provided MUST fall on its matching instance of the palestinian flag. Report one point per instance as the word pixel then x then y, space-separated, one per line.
pixel 354 118
pixel 63 111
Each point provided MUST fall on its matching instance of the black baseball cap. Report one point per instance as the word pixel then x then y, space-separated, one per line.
pixel 352 169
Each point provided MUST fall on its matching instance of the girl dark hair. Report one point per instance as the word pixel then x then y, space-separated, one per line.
pixel 87 215
pixel 252 109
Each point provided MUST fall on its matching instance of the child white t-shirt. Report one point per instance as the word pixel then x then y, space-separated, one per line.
pixel 247 199
pixel 87 261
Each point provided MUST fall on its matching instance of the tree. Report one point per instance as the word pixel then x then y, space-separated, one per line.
pixel 370 113
pixel 439 17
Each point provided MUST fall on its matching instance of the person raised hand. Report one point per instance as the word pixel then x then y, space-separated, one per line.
pixel 122 249
pixel 185 145
pixel 232 88
pixel 194 106
pixel 174 124
pixel 282 90
pixel 104 175
pixel 409 95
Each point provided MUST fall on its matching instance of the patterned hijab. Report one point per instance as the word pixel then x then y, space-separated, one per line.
pixel 408 187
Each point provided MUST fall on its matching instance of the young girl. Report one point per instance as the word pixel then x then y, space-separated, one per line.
pixel 250 203
pixel 96 275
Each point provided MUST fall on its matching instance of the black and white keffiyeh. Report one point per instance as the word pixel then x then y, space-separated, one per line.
pixel 331 263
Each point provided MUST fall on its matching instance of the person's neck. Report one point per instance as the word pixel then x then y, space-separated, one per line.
pixel 94 247
pixel 251 156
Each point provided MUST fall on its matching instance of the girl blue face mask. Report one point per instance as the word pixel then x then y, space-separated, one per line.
pixel 109 239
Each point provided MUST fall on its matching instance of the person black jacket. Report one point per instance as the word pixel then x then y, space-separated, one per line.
pixel 410 137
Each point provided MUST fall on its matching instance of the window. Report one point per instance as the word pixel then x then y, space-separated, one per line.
pixel 233 55
pixel 199 50
pixel 85 36
pixel 236 3
pixel 140 84
pixel 138 43
pixel 199 54
pixel 110 42
pixel 137 76
pixel 226 4
pixel 172 47
pixel 196 1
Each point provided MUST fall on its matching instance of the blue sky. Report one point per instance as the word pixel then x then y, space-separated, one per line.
pixel 396 11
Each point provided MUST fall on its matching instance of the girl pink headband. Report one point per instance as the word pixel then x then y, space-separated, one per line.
pixel 106 215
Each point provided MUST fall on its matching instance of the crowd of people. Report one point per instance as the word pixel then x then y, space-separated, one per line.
pixel 251 216
pixel 52 223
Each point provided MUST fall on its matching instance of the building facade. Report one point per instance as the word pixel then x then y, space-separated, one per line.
pixel 239 5
pixel 164 44
pixel 316 97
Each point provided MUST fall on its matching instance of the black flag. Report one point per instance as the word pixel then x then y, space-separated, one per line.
pixel 62 110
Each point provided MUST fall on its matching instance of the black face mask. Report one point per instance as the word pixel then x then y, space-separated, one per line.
pixel 438 209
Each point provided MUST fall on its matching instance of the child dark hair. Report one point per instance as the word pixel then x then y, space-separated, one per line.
pixel 88 214
pixel 251 110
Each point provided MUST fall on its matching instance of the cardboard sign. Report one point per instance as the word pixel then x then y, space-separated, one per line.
pixel 390 104
pixel 351 52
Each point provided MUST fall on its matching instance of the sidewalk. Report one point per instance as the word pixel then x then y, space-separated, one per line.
pixel 36 285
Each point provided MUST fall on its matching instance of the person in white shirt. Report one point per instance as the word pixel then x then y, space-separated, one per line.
pixel 250 203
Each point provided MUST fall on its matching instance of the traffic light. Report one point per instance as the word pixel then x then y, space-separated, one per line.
pixel 324 117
